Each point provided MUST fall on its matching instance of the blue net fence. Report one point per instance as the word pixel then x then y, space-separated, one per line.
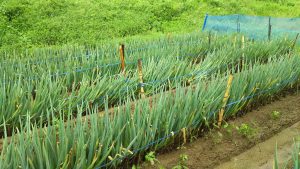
pixel 256 27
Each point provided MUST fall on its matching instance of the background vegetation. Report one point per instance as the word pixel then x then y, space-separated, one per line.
pixel 54 22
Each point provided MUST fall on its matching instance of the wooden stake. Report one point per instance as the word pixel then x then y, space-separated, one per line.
pixel 122 58
pixel 142 92
pixel 225 99
pixel 184 135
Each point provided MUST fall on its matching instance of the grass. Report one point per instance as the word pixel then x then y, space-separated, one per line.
pixel 56 22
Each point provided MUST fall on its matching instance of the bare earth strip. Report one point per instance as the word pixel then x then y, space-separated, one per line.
pixel 261 156
pixel 230 150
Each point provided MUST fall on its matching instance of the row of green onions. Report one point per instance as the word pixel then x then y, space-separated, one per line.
pixel 92 143
pixel 193 45
pixel 35 98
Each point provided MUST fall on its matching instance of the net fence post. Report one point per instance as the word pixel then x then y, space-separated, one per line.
pixel 205 21
pixel 269 29
pixel 238 26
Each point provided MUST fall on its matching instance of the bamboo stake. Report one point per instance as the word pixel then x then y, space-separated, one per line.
pixel 122 58
pixel 243 55
pixel 243 43
pixel 225 100
pixel 234 41
pixel 142 92
pixel 184 135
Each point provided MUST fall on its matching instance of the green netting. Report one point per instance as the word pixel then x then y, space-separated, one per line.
pixel 256 27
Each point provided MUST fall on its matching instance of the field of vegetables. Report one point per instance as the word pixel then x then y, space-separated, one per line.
pixel 46 94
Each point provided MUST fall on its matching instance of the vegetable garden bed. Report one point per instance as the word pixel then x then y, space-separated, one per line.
pixel 224 148
pixel 149 124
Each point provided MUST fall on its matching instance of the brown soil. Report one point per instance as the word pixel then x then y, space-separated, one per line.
pixel 261 156
pixel 217 147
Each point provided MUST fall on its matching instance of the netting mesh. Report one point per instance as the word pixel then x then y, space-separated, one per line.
pixel 256 27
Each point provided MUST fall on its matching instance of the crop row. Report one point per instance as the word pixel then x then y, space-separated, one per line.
pixel 37 97
pixel 108 51
pixel 89 60
pixel 106 141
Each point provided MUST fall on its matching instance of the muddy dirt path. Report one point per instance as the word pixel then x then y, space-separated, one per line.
pixel 261 156
pixel 218 147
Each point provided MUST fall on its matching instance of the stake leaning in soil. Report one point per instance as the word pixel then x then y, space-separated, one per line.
pixel 225 99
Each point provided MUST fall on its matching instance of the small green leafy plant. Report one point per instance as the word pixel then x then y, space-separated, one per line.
pixel 182 162
pixel 245 130
pixel 275 115
pixel 151 158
